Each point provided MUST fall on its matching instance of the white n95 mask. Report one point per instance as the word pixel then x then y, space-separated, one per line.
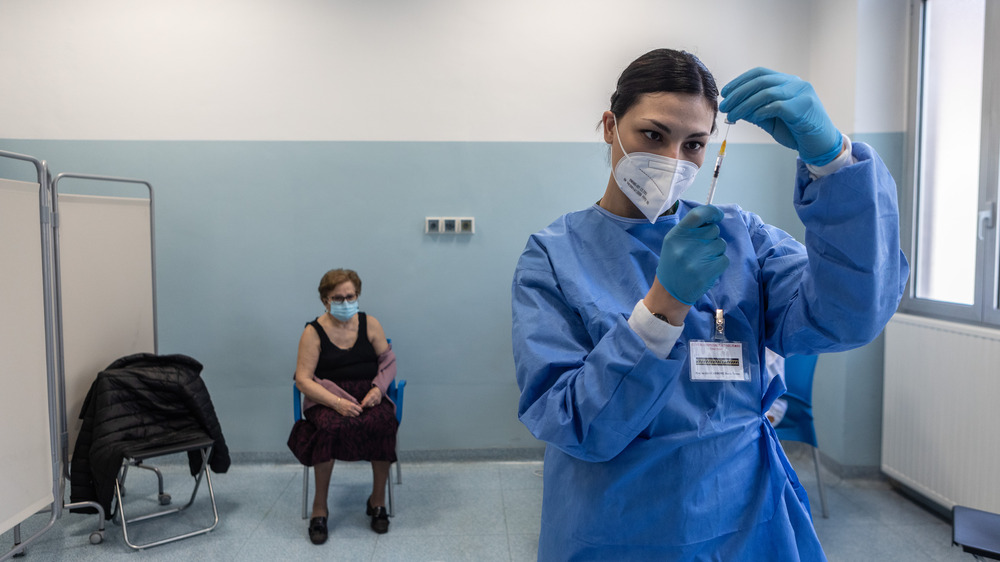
pixel 652 182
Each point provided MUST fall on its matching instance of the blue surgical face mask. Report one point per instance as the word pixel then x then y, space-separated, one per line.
pixel 343 311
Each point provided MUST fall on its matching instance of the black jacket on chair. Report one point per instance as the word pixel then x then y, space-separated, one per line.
pixel 140 400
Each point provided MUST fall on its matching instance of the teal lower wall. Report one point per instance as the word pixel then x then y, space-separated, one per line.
pixel 847 392
pixel 244 231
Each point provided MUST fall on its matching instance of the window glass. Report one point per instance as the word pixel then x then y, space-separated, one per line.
pixel 949 145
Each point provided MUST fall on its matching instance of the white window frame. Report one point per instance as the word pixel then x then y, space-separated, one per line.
pixel 986 308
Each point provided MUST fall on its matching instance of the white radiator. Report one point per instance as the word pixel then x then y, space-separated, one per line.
pixel 941 417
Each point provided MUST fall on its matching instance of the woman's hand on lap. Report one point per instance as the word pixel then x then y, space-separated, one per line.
pixel 347 408
pixel 373 398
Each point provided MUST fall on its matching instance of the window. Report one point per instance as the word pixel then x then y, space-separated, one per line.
pixel 954 151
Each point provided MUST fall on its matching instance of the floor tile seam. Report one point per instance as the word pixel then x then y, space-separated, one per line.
pixel 260 521
pixel 904 509
pixel 855 507
pixel 506 525
pixel 371 557
pixel 6 547
pixel 443 535
pixel 849 518
pixel 900 525
pixel 931 522
pixel 854 522
pixel 291 479
pixel 523 488
pixel 907 540
pixel 473 488
pixel 37 522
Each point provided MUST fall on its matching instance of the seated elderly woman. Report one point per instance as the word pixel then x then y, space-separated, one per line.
pixel 344 367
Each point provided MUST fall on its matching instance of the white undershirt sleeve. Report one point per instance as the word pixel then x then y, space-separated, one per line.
pixel 659 336
pixel 846 158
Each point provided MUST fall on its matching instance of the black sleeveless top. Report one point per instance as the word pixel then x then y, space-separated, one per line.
pixel 336 364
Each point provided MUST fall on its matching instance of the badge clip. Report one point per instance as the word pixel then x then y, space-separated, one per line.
pixel 719 359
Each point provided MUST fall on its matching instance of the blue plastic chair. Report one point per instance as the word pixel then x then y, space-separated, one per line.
pixel 395 393
pixel 797 425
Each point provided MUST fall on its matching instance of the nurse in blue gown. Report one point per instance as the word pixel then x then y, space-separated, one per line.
pixel 642 462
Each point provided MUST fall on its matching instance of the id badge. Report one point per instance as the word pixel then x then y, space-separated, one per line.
pixel 719 359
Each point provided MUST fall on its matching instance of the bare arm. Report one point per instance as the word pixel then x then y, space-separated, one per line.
pixel 376 335
pixel 305 367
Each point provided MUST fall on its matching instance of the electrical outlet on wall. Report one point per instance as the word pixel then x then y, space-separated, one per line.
pixel 449 225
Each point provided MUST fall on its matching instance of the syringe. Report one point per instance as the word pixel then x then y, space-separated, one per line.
pixel 718 164
pixel 720 322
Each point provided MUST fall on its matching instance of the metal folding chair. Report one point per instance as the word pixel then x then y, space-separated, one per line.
pixel 136 456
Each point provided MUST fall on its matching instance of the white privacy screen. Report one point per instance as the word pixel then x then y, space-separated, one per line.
pixel 106 280
pixel 26 484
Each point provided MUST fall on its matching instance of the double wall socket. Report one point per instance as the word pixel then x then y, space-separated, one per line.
pixel 449 225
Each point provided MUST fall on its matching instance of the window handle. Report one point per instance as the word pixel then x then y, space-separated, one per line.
pixel 986 218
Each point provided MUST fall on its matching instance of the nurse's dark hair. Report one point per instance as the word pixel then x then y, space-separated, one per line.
pixel 664 70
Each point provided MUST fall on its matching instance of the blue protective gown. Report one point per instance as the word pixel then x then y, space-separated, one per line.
pixel 643 464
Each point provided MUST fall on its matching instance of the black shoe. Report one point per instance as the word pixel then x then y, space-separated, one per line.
pixel 380 519
pixel 317 530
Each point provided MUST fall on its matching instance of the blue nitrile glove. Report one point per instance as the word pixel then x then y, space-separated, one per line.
pixel 788 109
pixel 693 256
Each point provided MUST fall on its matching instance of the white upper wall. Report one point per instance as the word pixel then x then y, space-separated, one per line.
pixel 832 49
pixel 402 70
pixel 883 31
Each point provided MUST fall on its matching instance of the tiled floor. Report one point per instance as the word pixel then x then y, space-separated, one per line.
pixel 476 511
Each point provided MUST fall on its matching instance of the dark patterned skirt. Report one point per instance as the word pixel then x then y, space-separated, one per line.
pixel 324 435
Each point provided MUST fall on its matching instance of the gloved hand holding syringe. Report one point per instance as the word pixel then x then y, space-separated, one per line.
pixel 693 255
pixel 726 360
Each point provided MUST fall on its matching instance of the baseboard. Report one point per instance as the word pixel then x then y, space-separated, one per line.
pixel 469 455
pixel 438 455
pixel 851 471
pixel 796 450
pixel 537 454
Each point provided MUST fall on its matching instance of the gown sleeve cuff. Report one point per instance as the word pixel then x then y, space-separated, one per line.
pixel 659 336
pixel 846 158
